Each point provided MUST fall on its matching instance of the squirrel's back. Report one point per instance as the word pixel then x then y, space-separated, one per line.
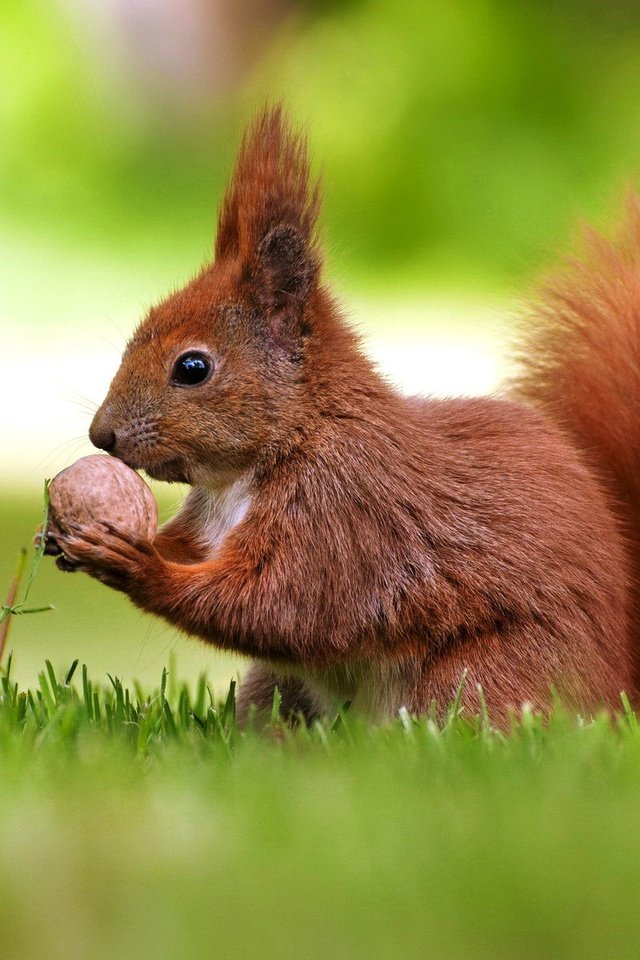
pixel 452 534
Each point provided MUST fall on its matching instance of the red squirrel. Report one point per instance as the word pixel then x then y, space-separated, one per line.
pixel 358 544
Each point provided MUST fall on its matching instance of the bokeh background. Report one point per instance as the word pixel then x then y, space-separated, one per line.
pixel 460 142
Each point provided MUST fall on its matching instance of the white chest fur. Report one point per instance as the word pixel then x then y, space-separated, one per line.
pixel 220 509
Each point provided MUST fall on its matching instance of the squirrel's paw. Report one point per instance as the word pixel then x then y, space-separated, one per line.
pixel 115 557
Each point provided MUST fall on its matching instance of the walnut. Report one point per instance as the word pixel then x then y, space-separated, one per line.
pixel 100 488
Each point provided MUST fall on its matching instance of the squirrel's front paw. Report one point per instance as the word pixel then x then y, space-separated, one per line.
pixel 119 559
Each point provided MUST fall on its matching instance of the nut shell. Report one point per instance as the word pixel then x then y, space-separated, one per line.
pixel 101 488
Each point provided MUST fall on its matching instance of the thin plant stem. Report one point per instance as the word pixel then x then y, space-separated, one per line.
pixel 7 609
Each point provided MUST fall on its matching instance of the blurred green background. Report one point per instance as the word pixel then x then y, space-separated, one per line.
pixel 459 143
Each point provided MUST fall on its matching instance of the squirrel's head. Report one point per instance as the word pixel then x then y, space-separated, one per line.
pixel 215 374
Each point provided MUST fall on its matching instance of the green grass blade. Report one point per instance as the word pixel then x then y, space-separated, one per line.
pixel 35 565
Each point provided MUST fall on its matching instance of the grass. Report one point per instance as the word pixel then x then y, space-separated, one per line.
pixel 144 824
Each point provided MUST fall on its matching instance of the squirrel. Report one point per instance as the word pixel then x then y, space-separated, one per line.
pixel 358 544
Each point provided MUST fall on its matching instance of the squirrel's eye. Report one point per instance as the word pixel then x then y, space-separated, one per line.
pixel 191 369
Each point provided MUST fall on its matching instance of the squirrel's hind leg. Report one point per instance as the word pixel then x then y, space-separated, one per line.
pixel 255 698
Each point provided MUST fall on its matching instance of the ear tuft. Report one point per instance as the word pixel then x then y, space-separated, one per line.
pixel 270 196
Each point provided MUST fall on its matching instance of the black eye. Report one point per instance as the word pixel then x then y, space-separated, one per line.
pixel 191 369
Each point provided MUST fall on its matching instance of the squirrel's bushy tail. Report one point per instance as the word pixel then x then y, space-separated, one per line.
pixel 579 358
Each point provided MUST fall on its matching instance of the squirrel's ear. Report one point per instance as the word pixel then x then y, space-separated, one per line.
pixel 268 217
pixel 286 268
pixel 284 274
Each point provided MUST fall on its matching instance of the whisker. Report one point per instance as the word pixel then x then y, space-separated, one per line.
pixel 80 398
pixel 83 407
pixel 117 348
pixel 68 447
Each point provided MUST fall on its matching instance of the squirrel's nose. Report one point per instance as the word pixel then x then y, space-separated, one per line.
pixel 104 439
pixel 102 436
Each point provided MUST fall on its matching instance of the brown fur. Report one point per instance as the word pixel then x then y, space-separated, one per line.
pixel 580 362
pixel 362 545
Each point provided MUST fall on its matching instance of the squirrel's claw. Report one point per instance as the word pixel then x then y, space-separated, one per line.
pixel 107 554
pixel 51 545
pixel 64 564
